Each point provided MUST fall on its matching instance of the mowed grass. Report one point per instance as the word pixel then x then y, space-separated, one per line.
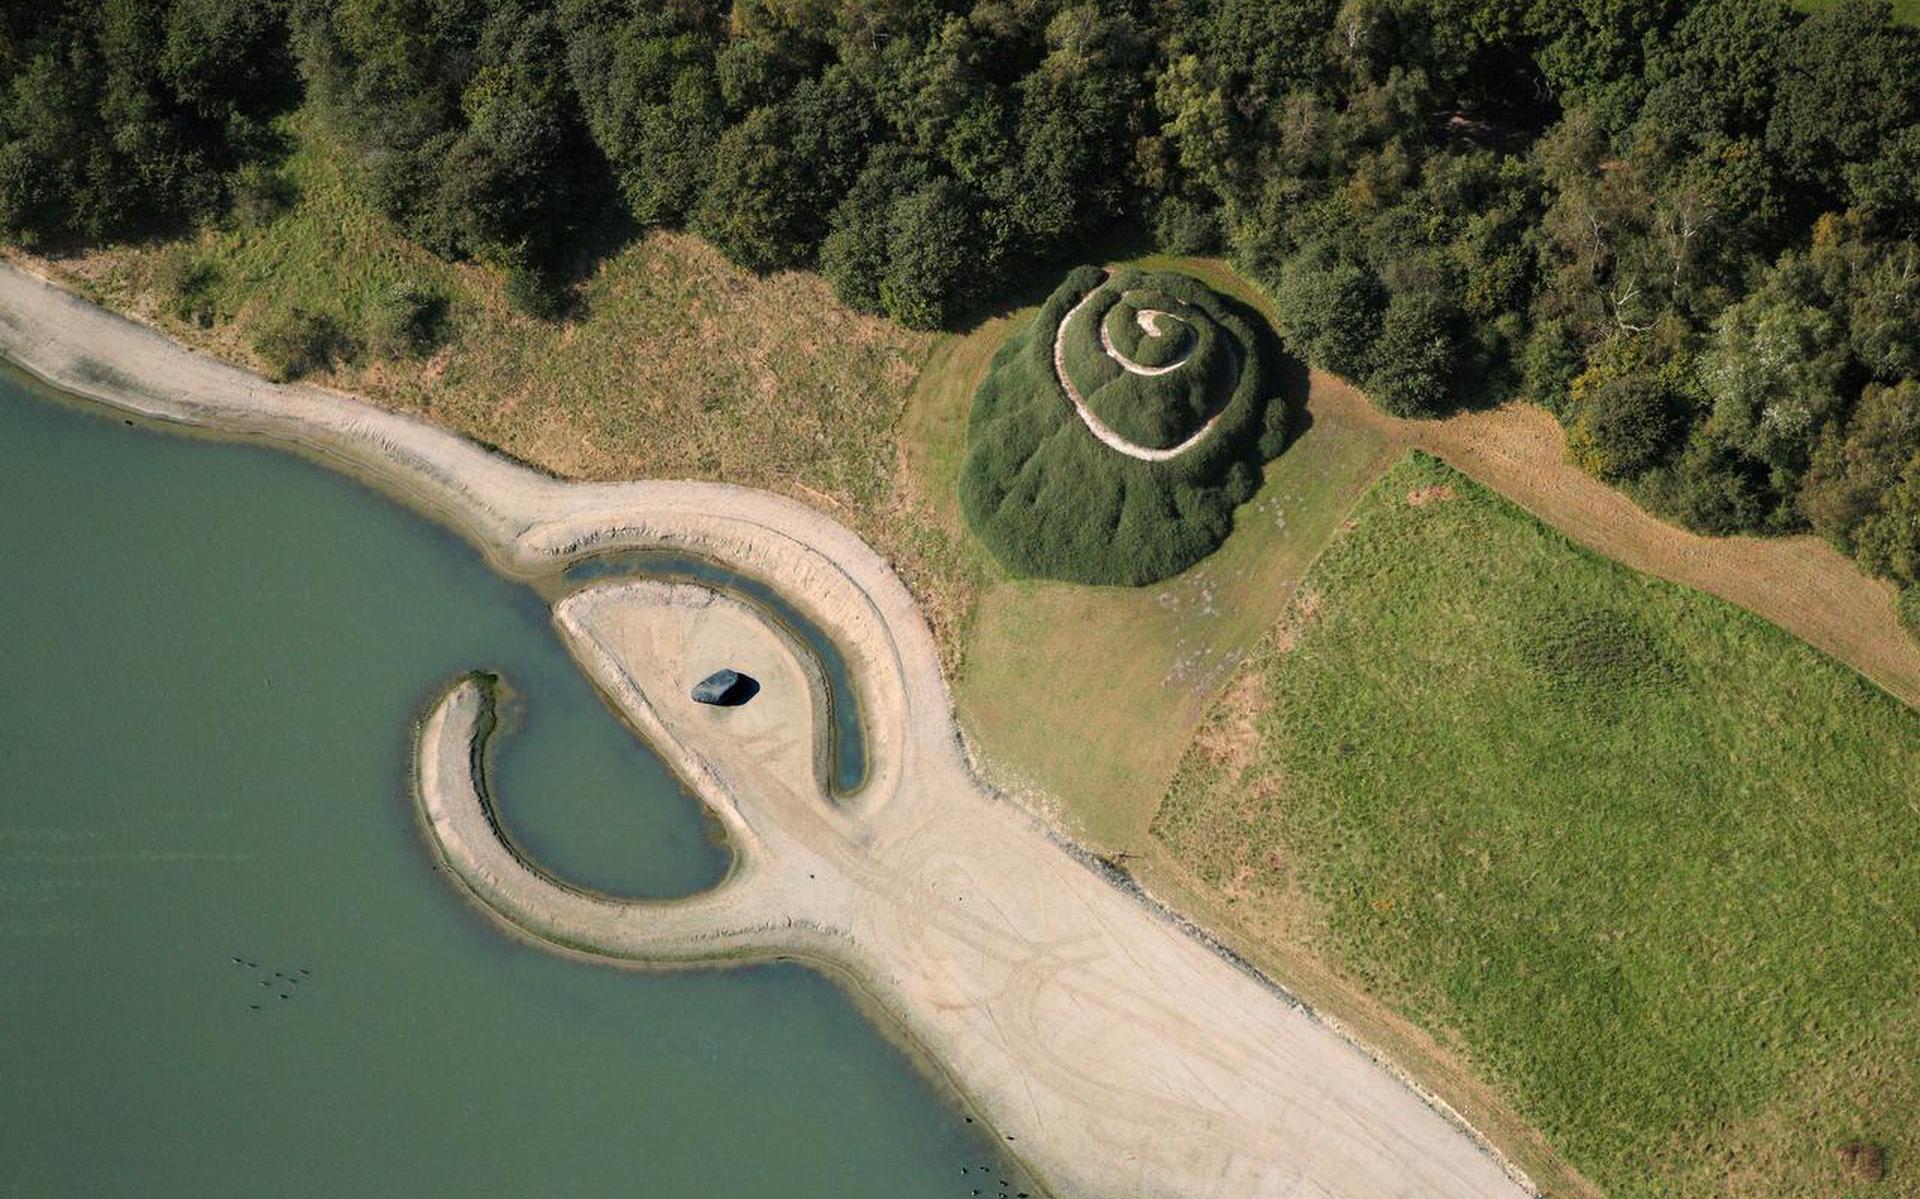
pixel 1083 698
pixel 675 364
pixel 1652 864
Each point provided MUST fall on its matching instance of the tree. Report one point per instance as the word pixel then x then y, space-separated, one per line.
pixel 1417 357
pixel 119 117
pixel 1857 471
pixel 750 208
pixel 649 95
pixel 933 256
pixel 1777 371
pixel 1888 541
pixel 1332 308
pixel 464 115
pixel 1850 88
pixel 855 255
pixel 1623 423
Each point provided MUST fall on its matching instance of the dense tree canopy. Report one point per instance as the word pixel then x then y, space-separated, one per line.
pixel 1686 226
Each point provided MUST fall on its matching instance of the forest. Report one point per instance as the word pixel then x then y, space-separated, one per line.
pixel 1686 227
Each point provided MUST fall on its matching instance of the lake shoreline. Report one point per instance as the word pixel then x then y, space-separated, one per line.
pixel 528 525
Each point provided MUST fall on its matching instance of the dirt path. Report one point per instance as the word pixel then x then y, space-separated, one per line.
pixel 1800 583
pixel 1119 1054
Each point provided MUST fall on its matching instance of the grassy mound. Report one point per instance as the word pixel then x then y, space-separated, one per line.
pixel 1050 498
pixel 1649 861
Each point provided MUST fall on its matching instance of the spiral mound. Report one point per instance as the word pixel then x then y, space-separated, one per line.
pixel 1147 364
pixel 1117 432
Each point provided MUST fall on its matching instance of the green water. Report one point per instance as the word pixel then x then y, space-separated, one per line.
pixel 210 656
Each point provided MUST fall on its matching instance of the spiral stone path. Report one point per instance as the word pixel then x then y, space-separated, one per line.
pixel 1094 424
pixel 1149 320
pixel 1117 1054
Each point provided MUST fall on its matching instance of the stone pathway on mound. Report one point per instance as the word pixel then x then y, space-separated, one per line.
pixel 1149 321
pixel 1094 424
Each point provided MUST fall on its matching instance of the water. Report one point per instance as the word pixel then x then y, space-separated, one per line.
pixel 210 659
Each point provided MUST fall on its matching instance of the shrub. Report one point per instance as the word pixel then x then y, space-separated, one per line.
pixel 299 341
pixel 189 283
pixel 1908 606
pixel 1050 499
pixel 405 319
pixel 1417 355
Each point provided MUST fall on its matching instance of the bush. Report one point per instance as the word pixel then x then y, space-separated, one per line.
pixel 1417 356
pixel 299 341
pixel 405 319
pixel 189 283
pixel 1050 499
pixel 1908 606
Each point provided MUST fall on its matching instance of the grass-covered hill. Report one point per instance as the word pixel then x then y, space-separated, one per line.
pixel 1647 860
pixel 1050 498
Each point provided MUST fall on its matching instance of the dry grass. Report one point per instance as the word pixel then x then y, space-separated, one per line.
pixel 676 363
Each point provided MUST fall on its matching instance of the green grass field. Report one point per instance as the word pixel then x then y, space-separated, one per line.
pixel 1649 862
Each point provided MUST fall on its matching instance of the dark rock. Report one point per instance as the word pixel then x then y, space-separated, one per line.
pixel 726 689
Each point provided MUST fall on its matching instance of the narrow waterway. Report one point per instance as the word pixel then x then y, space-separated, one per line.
pixel 211 657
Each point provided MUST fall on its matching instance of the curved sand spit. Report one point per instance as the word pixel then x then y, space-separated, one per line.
pixel 1117 1054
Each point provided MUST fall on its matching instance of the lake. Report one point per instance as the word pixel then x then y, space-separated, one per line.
pixel 212 656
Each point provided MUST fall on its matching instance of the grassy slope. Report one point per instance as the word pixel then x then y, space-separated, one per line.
pixel 678 364
pixel 1130 670
pixel 1675 919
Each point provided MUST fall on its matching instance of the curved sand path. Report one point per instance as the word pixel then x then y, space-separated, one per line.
pixel 1149 321
pixel 1094 424
pixel 1118 1053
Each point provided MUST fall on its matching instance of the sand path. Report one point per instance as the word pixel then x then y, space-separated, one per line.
pixel 1094 424
pixel 1119 1054
pixel 1149 321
